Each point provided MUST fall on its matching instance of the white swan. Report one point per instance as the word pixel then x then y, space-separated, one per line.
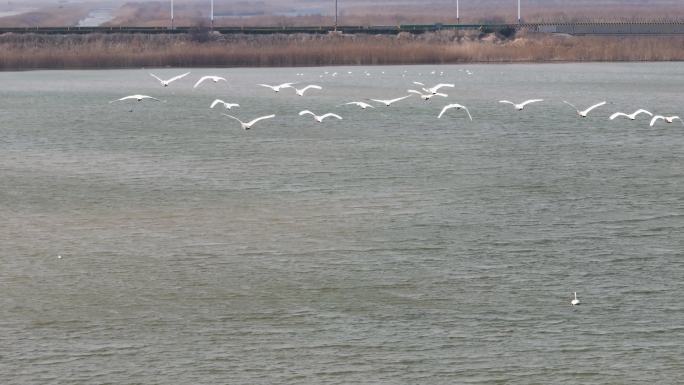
pixel 427 97
pixel 360 104
pixel 278 87
pixel 225 104
pixel 248 125
pixel 631 116
pixel 523 104
pixel 456 106
pixel 300 92
pixel 575 301
pixel 667 119
pixel 166 83
pixel 136 97
pixel 437 87
pixel 321 117
pixel 390 101
pixel 216 79
pixel 584 112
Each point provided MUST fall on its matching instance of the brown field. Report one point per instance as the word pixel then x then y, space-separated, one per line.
pixel 22 52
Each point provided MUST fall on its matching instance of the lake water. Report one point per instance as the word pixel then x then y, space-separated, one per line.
pixel 390 247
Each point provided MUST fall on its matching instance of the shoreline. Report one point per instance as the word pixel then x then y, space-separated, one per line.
pixel 121 51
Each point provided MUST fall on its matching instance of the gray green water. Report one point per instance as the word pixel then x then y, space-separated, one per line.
pixel 386 248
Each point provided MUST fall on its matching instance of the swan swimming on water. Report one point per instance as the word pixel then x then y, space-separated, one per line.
pixel 631 116
pixel 575 301
pixel 320 118
pixel 521 105
pixel 166 83
pixel 248 125
pixel 584 112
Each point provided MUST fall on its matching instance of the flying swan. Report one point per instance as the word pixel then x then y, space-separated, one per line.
pixel 136 97
pixel 585 112
pixel 319 118
pixel 456 106
pixel 631 116
pixel 248 125
pixel 225 104
pixel 166 83
pixel 360 104
pixel 300 92
pixel 437 87
pixel 521 105
pixel 667 119
pixel 215 79
pixel 278 87
pixel 388 102
pixel 428 96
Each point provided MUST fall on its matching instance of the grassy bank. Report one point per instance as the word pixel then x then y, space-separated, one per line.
pixel 20 52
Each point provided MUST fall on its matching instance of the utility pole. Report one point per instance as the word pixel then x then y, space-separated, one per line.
pixel 335 15
pixel 458 18
pixel 518 11
pixel 171 14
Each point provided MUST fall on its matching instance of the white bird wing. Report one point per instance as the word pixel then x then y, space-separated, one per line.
pixel 469 116
pixel 642 111
pixel 217 101
pixel 310 86
pixel 232 117
pixel 672 118
pixel 571 105
pixel 145 97
pixel 156 77
pixel 173 79
pixel 203 78
pixel 418 83
pixel 592 107
pixel 330 114
pixel 258 119
pixel 397 99
pixel 440 94
pixel 306 112
pixel 440 85
pixel 445 109
pixel 360 104
pixel 526 102
pixel 415 92
pixel 615 115
pixel 655 119
pixel 268 86
pixel 455 105
pixel 506 101
pixel 231 105
pixel 286 85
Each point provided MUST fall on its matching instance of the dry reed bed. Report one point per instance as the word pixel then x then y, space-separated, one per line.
pixel 22 52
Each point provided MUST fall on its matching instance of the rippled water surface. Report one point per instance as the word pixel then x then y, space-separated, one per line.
pixel 390 247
